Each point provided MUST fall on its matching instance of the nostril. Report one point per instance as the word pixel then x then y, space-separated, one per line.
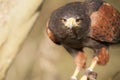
pixel 77 20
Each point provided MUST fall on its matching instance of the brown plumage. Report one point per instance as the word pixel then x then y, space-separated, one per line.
pixel 93 23
pixel 105 25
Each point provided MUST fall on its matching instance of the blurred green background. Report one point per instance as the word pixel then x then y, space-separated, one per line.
pixel 40 59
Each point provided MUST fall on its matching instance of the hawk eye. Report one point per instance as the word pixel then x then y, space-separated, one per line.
pixel 63 19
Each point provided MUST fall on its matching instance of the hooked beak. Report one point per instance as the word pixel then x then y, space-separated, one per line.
pixel 71 22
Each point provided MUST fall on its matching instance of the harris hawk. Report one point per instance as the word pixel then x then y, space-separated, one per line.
pixel 94 24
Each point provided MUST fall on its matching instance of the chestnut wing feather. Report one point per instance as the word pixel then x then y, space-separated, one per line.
pixel 51 35
pixel 105 24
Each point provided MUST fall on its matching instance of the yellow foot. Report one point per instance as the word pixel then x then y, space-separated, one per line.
pixel 73 78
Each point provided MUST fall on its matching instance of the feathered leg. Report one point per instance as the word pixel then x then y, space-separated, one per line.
pixel 80 60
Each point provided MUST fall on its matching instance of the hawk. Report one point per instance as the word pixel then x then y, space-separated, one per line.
pixel 94 24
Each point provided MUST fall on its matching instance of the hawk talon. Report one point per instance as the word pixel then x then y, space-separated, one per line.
pixel 91 75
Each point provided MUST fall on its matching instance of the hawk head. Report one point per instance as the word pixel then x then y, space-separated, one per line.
pixel 70 16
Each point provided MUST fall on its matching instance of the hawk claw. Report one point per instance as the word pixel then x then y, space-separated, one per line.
pixel 91 75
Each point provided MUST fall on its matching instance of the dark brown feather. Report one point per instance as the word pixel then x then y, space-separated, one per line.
pixel 105 24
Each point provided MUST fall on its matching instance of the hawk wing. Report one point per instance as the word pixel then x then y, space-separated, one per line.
pixel 105 24
pixel 51 35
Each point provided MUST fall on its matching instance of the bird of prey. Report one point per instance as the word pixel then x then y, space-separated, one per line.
pixel 94 24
